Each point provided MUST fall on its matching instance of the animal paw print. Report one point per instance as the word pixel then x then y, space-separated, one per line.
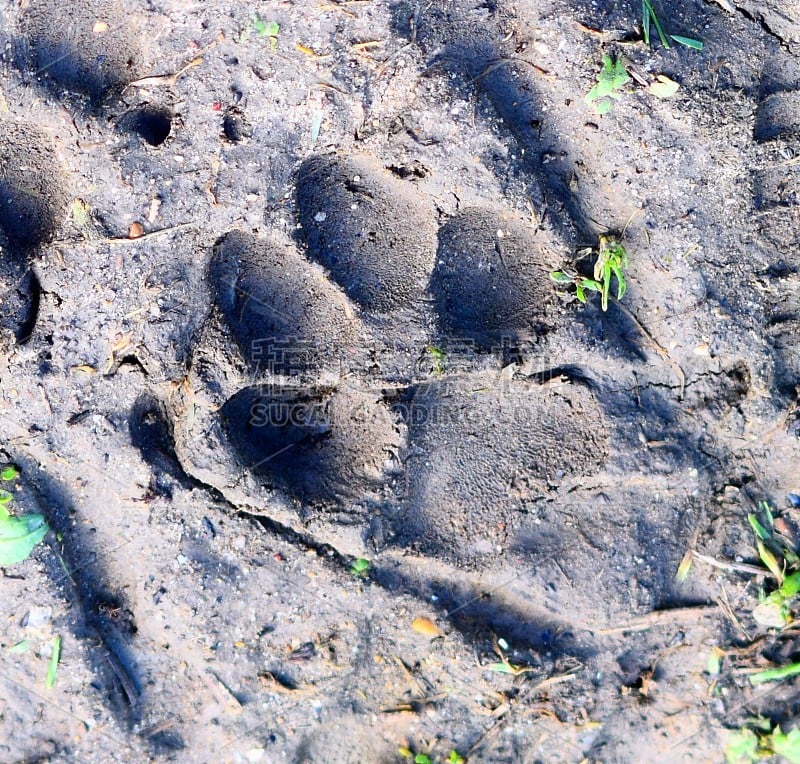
pixel 370 375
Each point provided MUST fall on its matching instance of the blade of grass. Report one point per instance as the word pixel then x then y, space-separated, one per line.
pixel 770 560
pixel 767 510
pixel 661 35
pixel 771 675
pixel 55 656
pixel 646 23
pixel 759 529
pixel 688 42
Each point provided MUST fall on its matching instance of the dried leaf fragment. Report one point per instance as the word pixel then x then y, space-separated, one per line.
pixel 425 626
pixel 663 87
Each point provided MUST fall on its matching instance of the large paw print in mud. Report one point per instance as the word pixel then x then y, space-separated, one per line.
pixel 394 370
pixel 335 340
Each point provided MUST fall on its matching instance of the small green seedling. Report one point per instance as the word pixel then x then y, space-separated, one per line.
pixel 261 28
pixel 509 668
pixel 55 657
pixel 714 662
pixel 438 356
pixel 20 647
pixel 649 15
pixel 420 758
pixel 610 80
pixel 423 758
pixel 9 472
pixel 612 260
pixel 505 666
pixel 19 534
pixel 264 28
pixel 774 609
pixel 685 566
pixel 360 567
pixel 760 741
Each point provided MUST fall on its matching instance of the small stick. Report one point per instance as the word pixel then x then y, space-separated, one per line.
pixel 131 693
pixel 150 234
pixel 738 567
pixel 164 79
pixel 661 617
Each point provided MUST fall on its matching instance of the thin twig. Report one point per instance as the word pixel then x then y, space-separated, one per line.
pixel 165 79
pixel 738 567
pixel 661 618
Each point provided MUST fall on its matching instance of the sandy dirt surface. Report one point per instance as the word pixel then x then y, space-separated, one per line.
pixel 334 470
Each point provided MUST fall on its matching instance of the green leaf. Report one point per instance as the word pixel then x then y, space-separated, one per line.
pixel 688 42
pixel 560 277
pixel 622 285
pixel 81 212
pixel 502 668
pixel 790 586
pixel 759 529
pixel 685 566
pixel 760 724
pixel 259 25
pixel 767 510
pixel 455 758
pixel 360 566
pixel 9 472
pixel 714 663
pixel 742 747
pixel 422 758
pixel 20 647
pixel 772 675
pixel 786 744
pixel 580 294
pixel 591 285
pixel 770 560
pixel 264 28
pixel 55 656
pixel 646 23
pixel 5 496
pixel 509 668
pixel 611 78
pixel 18 537
pixel 663 87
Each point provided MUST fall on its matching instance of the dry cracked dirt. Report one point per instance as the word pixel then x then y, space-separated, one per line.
pixel 334 470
